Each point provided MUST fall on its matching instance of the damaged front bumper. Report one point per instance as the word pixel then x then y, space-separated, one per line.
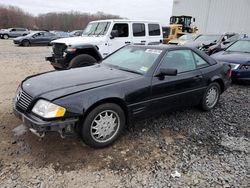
pixel 60 63
pixel 39 127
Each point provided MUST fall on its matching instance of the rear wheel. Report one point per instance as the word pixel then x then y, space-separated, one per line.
pixel 82 60
pixel 25 43
pixel 211 96
pixel 103 125
pixel 5 36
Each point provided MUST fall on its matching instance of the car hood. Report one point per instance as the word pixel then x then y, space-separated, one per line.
pixel 55 84
pixel 232 57
pixel 80 40
pixel 21 38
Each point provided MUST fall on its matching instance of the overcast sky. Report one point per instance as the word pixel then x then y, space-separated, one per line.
pixel 133 9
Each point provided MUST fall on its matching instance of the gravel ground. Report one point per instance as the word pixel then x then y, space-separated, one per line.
pixel 185 148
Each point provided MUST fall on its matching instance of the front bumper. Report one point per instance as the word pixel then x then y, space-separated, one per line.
pixel 60 63
pixel 16 42
pixel 64 127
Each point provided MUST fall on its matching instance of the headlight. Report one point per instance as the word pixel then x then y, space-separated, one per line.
pixel 70 50
pixel 47 109
pixel 234 66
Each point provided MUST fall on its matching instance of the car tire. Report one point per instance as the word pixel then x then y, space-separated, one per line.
pixel 211 96
pixel 25 43
pixel 5 36
pixel 103 125
pixel 82 60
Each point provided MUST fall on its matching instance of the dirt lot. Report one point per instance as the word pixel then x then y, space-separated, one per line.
pixel 186 148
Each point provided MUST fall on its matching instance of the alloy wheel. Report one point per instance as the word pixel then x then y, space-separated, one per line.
pixel 212 96
pixel 105 126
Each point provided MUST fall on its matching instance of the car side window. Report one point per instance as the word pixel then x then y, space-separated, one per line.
pixel 122 29
pixel 200 62
pixel 138 29
pixel 154 29
pixel 182 60
pixel 47 34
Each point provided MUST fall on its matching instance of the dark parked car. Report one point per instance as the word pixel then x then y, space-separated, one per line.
pixel 13 32
pixel 134 82
pixel 76 33
pixel 238 56
pixel 35 38
pixel 212 43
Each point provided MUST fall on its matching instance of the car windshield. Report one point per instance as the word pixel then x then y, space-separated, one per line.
pixel 133 59
pixel 239 46
pixel 96 28
pixel 202 38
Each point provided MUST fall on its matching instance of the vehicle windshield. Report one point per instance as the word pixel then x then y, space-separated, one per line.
pixel 239 46
pixel 133 59
pixel 96 28
pixel 202 38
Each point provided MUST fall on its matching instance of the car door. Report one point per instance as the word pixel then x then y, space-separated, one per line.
pixel 123 36
pixel 184 89
pixel 38 38
pixel 47 38
pixel 13 33
pixel 139 34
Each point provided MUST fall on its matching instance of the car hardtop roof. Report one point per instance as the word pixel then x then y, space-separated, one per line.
pixel 125 20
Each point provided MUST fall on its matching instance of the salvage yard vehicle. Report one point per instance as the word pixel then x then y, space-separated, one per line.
pixel 178 26
pixel 36 38
pixel 101 38
pixel 212 43
pixel 75 33
pixel 13 32
pixel 134 82
pixel 238 56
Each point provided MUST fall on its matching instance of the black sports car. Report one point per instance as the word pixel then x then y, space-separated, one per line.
pixel 238 56
pixel 36 38
pixel 136 81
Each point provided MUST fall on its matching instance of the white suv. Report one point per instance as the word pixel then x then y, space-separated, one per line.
pixel 101 38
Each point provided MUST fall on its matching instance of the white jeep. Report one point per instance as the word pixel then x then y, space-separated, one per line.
pixel 101 38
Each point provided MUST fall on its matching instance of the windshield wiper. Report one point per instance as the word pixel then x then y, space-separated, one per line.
pixel 129 70
pixel 123 69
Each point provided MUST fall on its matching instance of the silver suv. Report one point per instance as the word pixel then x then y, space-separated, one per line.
pixel 13 32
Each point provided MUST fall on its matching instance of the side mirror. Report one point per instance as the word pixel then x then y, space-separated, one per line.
pixel 113 34
pixel 193 19
pixel 167 72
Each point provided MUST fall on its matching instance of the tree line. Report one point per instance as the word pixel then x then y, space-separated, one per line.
pixel 11 16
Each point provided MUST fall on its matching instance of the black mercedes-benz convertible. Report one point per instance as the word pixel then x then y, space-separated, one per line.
pixel 134 82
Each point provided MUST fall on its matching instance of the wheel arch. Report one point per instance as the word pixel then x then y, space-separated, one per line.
pixel 90 50
pixel 114 100
pixel 220 82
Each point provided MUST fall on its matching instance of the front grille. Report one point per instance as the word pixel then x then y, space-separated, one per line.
pixel 23 100
pixel 58 49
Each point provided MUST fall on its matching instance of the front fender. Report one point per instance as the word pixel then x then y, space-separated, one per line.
pixel 79 103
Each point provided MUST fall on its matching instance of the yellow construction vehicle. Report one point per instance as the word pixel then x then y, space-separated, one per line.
pixel 179 25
